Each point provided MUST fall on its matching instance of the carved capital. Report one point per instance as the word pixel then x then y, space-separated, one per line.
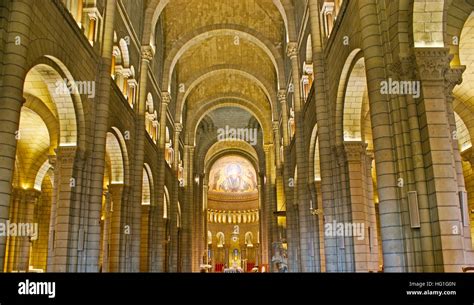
pixel 276 125
pixel 165 98
pixel 404 67
pixel 354 150
pixel 267 148
pixel 292 49
pixel 432 63
pixel 282 96
pixel 178 127
pixel 453 77
pixel 65 154
pixel 147 53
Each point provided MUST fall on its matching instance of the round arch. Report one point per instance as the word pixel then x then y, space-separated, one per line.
pixel 222 69
pixel 155 8
pixel 220 149
pixel 233 100
pixel 200 35
pixel 351 60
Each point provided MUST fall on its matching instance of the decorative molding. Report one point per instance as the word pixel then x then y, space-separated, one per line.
pixel 404 67
pixel 453 77
pixel 292 49
pixel 276 126
pixel 165 98
pixel 354 150
pixel 432 63
pixel 282 96
pixel 178 127
pixel 147 53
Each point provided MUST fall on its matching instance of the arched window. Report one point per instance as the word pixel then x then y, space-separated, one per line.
pixel 92 20
pixel 75 8
pixel 122 72
pixel 328 16
pixel 151 119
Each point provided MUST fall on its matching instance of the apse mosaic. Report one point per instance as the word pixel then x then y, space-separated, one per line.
pixel 233 174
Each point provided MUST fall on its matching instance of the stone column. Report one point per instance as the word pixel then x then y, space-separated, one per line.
pixel 107 220
pixel 138 163
pixel 117 236
pixel 341 213
pixel 420 255
pixel 362 205
pixel 187 211
pixel 268 219
pixel 279 175
pixel 304 225
pixel 11 95
pixel 11 242
pixel 435 73
pixel 324 130
pixel 288 187
pixel 178 128
pixel 157 220
pixel 284 116
pixel 60 223
pixel 389 206
pixel 205 189
pixel 261 226
pixel 24 220
pixel 90 260
pixel 145 239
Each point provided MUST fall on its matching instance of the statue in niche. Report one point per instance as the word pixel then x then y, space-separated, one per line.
pixel 249 239
pixel 209 237
pixel 220 239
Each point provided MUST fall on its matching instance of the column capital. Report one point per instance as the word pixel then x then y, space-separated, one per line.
pixel 276 126
pixel 282 96
pixel 66 154
pixel 31 194
pixel 267 147
pixel 165 97
pixel 292 50
pixel 178 127
pixel 147 53
pixel 404 67
pixel 453 77
pixel 468 155
pixel 354 150
pixel 432 63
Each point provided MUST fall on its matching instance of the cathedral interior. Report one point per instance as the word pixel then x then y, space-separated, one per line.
pixel 236 136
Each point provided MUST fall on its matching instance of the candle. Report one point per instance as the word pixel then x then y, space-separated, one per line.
pixel 311 204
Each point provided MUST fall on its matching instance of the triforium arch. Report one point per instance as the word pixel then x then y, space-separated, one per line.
pixel 230 101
